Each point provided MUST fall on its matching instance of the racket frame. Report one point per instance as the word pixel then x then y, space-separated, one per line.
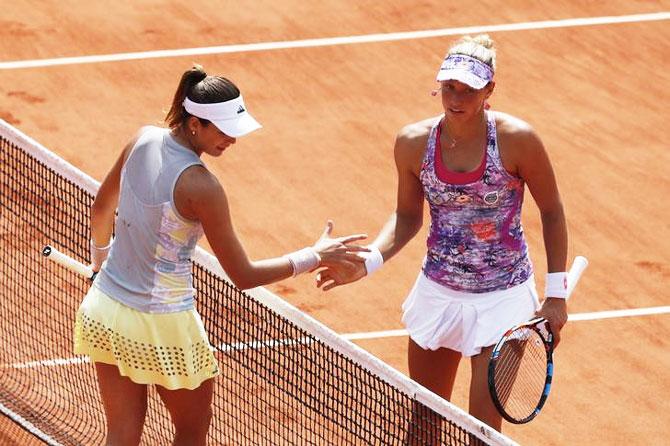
pixel 577 268
pixel 548 342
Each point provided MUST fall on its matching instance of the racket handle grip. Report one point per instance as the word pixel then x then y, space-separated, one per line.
pixel 68 262
pixel 578 266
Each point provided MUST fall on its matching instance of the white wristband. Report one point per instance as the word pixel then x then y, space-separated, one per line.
pixel 373 259
pixel 304 260
pixel 556 285
pixel 99 254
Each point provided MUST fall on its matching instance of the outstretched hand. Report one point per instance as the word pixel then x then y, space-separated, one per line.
pixel 343 273
pixel 340 258
pixel 334 251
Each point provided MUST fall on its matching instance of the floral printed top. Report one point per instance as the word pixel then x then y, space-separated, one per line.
pixel 476 243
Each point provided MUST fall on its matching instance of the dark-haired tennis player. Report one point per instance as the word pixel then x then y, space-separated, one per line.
pixel 471 165
pixel 138 322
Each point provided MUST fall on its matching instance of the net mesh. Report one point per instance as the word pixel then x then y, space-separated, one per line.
pixel 285 378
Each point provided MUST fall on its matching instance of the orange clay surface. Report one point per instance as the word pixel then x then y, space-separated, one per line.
pixel 597 95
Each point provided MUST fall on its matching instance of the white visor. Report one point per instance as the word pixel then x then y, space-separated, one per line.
pixel 231 117
pixel 466 69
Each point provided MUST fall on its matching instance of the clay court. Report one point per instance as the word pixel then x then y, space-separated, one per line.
pixel 596 92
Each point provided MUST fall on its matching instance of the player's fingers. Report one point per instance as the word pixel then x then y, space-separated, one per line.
pixel 321 278
pixel 354 258
pixel 330 286
pixel 326 282
pixel 353 238
pixel 356 248
pixel 341 259
pixel 328 229
pixel 555 327
pixel 351 250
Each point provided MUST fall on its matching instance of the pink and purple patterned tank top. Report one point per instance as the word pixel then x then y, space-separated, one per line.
pixel 475 243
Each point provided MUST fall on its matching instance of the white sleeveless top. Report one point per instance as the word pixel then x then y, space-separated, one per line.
pixel 149 265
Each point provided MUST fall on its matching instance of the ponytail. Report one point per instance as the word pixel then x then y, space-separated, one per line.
pixel 177 114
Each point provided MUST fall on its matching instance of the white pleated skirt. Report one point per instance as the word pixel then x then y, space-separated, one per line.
pixel 438 317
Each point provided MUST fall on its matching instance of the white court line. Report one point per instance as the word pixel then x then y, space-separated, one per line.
pixel 28 425
pixel 572 317
pixel 257 345
pixel 253 345
pixel 349 336
pixel 308 43
pixel 47 363
pixel 618 313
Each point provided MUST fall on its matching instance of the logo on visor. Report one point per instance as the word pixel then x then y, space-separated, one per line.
pixel 240 110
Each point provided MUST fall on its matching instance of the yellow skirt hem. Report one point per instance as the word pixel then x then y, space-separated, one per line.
pixel 192 383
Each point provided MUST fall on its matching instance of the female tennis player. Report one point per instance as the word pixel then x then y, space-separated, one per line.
pixel 138 322
pixel 471 165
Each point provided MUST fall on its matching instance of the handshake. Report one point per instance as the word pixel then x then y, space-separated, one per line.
pixel 340 260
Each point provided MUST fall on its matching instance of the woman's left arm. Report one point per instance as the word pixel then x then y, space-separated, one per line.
pixel 534 166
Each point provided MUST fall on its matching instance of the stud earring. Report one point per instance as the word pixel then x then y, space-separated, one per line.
pixel 192 132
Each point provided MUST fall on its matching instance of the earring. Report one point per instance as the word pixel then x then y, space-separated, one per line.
pixel 192 132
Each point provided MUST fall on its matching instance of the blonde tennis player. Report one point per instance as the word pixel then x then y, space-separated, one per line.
pixel 138 322
pixel 471 165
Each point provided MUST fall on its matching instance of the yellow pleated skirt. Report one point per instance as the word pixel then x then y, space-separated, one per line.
pixel 168 349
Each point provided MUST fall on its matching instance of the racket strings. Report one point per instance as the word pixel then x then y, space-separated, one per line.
pixel 520 373
pixel 523 393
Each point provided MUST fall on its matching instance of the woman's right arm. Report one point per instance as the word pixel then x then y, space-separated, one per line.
pixel 406 220
pixel 200 196
pixel 103 208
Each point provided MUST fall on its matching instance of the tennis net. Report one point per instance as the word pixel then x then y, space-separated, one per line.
pixel 286 379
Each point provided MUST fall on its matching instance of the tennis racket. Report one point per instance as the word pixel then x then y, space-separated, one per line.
pixel 521 365
pixel 68 262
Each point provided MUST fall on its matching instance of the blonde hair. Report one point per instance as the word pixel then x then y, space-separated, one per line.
pixel 481 47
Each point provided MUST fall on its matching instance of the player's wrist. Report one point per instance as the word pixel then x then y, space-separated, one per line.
pixel 373 259
pixel 304 260
pixel 556 285
pixel 99 253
